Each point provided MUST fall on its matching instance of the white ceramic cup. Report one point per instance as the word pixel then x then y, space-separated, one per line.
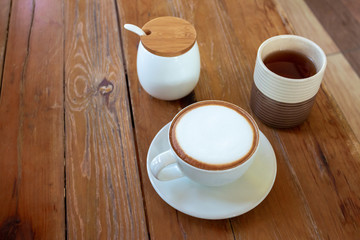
pixel 169 165
pixel 168 78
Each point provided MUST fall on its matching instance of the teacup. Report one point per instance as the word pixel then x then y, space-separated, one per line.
pixel 283 101
pixel 211 142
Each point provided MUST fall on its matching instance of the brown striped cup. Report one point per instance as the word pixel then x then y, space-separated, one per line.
pixel 282 102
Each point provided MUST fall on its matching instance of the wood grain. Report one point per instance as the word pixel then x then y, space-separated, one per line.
pixel 103 194
pixel 341 81
pixel 150 115
pixel 67 72
pixel 338 22
pixel 168 36
pixel 353 58
pixel 297 155
pixel 300 20
pixel 325 156
pixel 354 8
pixel 31 107
pixel 341 20
pixel 5 7
pixel 343 84
pixel 228 40
pixel 340 88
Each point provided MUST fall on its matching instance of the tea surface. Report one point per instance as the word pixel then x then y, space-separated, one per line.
pixel 290 64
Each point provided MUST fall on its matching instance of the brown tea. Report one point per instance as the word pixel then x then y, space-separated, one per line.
pixel 290 64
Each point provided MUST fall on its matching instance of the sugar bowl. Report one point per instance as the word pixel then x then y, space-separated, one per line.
pixel 168 58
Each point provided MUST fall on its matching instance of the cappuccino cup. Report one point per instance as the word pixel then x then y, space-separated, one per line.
pixel 211 142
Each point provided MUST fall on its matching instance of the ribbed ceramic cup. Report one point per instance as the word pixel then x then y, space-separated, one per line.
pixel 285 102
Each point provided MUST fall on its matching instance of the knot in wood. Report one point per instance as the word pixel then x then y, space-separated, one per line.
pixel 105 87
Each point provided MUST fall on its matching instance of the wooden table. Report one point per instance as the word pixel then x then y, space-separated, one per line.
pixel 75 124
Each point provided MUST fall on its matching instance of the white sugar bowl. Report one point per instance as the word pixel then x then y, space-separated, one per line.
pixel 168 58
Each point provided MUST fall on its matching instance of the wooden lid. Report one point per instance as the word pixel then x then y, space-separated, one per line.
pixel 168 36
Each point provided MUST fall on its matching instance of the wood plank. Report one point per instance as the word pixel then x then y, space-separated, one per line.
pixel 354 8
pixel 228 39
pixel 150 115
pixel 342 81
pixel 333 117
pixel 324 154
pixel 343 84
pixel 287 200
pixel 103 194
pixel 338 21
pixel 285 213
pixel 316 164
pixel 32 160
pixel 5 6
pixel 341 19
pixel 301 21
pixel 353 57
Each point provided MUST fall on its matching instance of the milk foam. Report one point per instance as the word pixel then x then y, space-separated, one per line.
pixel 214 134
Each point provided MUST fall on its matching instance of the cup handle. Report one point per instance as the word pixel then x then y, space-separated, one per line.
pixel 164 167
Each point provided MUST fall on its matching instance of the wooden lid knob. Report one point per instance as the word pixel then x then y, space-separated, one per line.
pixel 168 36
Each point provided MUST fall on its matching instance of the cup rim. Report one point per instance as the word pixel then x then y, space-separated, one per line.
pixel 250 118
pixel 291 36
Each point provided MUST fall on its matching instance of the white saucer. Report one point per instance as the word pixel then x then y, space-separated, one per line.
pixel 227 201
